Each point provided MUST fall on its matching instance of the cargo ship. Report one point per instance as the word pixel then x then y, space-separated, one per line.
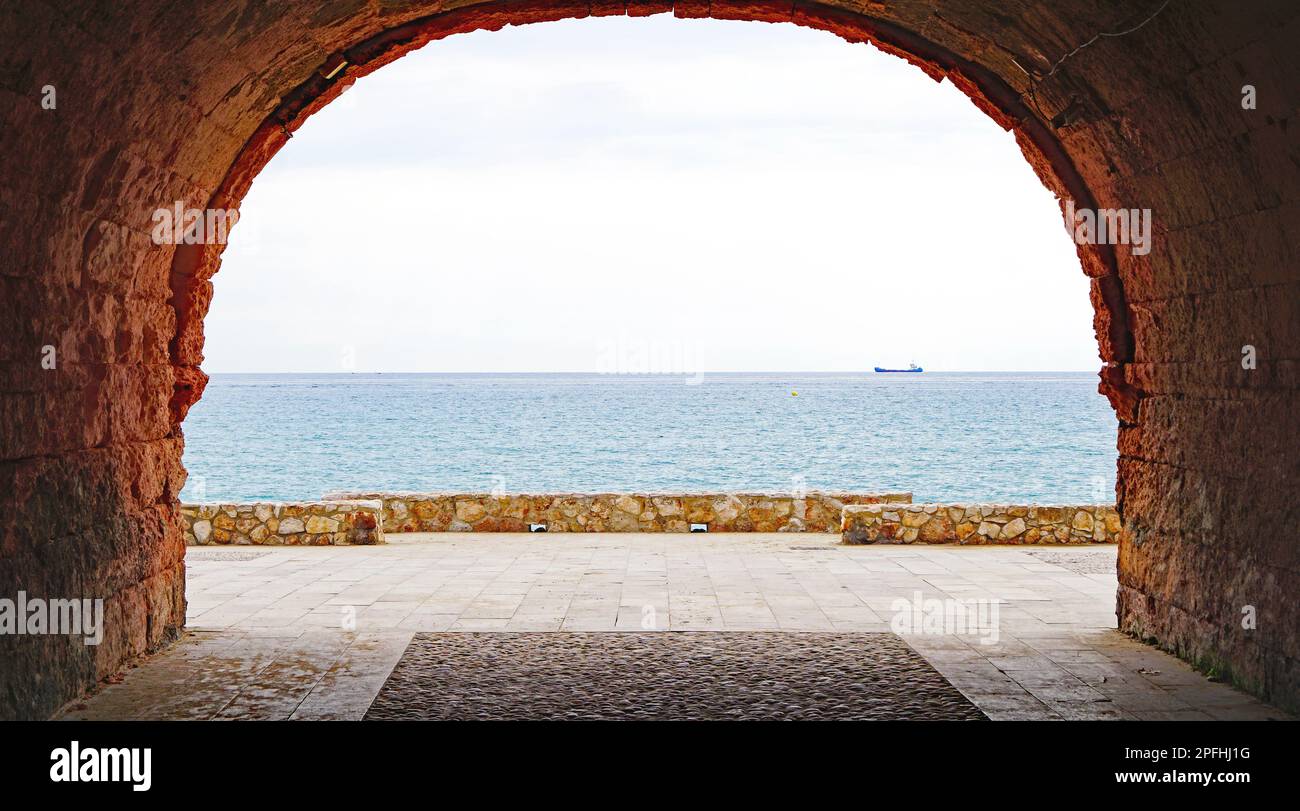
pixel 911 367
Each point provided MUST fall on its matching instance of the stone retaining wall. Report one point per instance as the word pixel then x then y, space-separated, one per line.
pixel 322 523
pixel 616 512
pixel 980 524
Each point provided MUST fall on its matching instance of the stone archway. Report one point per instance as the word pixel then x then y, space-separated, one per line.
pixel 154 104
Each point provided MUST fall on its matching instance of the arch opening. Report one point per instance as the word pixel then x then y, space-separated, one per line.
pixel 193 266
pixel 753 241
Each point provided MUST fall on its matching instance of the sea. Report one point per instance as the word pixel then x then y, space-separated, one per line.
pixel 1021 437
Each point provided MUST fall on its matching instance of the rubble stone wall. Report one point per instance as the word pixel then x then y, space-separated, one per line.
pixel 980 524
pixel 616 512
pixel 319 523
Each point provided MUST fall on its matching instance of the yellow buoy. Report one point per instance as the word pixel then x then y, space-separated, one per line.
pixel 794 394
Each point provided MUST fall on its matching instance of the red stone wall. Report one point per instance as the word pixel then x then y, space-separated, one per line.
pixel 159 101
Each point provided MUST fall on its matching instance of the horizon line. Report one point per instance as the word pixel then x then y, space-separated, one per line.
pixel 631 374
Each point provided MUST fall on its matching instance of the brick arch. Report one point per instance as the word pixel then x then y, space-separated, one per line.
pixel 193 267
pixel 158 103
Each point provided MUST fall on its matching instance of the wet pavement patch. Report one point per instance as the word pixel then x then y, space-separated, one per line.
pixel 666 675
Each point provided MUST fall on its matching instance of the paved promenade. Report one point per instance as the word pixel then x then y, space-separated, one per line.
pixel 314 632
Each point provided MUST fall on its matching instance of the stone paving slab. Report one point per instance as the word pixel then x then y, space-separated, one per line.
pixel 313 632
pixel 252 675
pixel 724 675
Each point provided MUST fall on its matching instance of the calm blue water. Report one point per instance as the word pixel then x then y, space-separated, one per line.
pixel 1046 437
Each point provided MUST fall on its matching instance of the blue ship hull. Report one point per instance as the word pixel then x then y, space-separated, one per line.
pixel 916 369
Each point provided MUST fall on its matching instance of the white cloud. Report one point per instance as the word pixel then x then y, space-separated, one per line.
pixel 771 196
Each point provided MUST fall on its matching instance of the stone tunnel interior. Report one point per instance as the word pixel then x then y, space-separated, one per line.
pixel 159 102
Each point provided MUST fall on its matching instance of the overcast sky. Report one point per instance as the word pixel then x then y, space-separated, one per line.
pixel 712 195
